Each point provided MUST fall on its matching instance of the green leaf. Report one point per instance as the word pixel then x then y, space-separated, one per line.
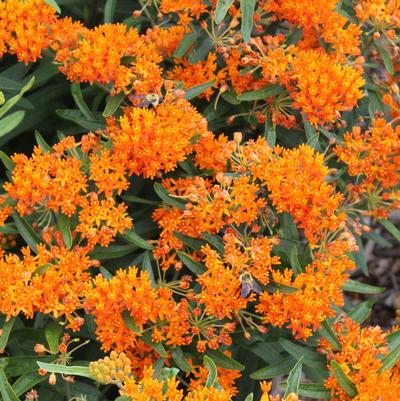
pixel 78 98
pixel 361 288
pixel 270 132
pixel 195 91
pixel 214 240
pixel 52 333
pixel 247 9
pixel 294 379
pixel 113 102
pixel 26 231
pixel 113 251
pixel 326 331
pixel 391 359
pixel 130 323
pixel 14 100
pixel 146 265
pixel 359 257
pixel 6 391
pixel 310 358
pixel 261 94
pixel 311 134
pixel 193 243
pixel 387 59
pixel 106 273
pixel 294 261
pixel 82 371
pixel 7 124
pixel 212 371
pixel 167 197
pixel 109 10
pixel 76 117
pixel 28 380
pixel 136 239
pixel 393 339
pixel 249 397
pixel 186 43
pixel 221 10
pixel 192 264
pixel 283 367
pixel 42 143
pixel 361 311
pixel 224 361
pixel 391 228
pixel 6 330
pixel 314 390
pixel 344 381
pixel 137 199
pixel 8 163
pixel 54 4
pixel 63 225
pixel 180 359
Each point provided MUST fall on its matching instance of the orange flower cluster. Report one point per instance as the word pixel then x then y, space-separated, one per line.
pixel 24 28
pixel 51 282
pixel 319 19
pixel 187 10
pixel 360 357
pixel 266 388
pixel 373 157
pixel 315 290
pixel 150 141
pixel 382 14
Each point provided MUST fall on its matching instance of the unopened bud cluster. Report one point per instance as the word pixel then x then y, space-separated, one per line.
pixel 113 369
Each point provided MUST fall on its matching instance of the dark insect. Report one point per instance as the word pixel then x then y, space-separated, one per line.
pixel 146 100
pixel 248 285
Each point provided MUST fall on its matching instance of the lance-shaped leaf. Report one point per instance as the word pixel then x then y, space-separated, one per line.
pixel 344 381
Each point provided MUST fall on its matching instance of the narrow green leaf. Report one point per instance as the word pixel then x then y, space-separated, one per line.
pixel 314 390
pixel 192 93
pixel 224 361
pixel 106 273
pixel 294 379
pixel 82 371
pixel 63 225
pixel 249 397
pixel 109 10
pixel 130 323
pixel 294 261
pixel 387 59
pixel 137 199
pixel 8 163
pixel 193 265
pixel 393 339
pixel 14 100
pixel 212 371
pixel 78 98
pixel 391 228
pixel 136 239
pixel 186 43
pixel 270 133
pixel 193 243
pixel 76 117
pixel 247 9
pixel 52 333
pixel 26 231
pixel 214 240
pixel 310 358
pixel 167 197
pixel 311 134
pixel 6 330
pixel 113 102
pixel 361 311
pixel 42 143
pixel 113 251
pixel 261 94
pixel 221 10
pixel 391 359
pixel 158 347
pixel 54 4
pixel 28 380
pixel 6 391
pixel 359 257
pixel 8 123
pixel 146 264
pixel 180 359
pixel 326 331
pixel 344 381
pixel 280 368
pixel 361 288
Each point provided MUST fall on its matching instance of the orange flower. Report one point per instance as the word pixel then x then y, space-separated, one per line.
pixel 316 290
pixel 208 394
pixel 199 73
pixel 186 9
pixel 374 157
pixel 324 87
pixel 46 179
pixel 297 183
pixel 155 140
pixel 101 220
pixel 360 357
pixel 165 40
pixel 379 13
pixel 24 27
